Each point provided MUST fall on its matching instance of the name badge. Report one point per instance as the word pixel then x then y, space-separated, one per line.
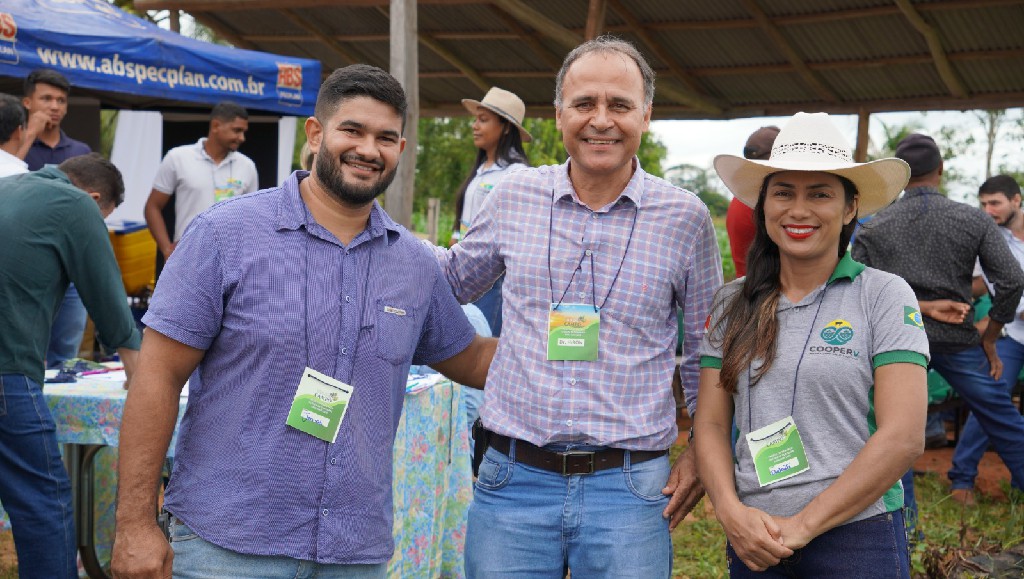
pixel 319 405
pixel 778 451
pixel 572 332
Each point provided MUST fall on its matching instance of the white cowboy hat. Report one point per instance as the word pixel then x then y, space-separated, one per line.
pixel 505 104
pixel 810 142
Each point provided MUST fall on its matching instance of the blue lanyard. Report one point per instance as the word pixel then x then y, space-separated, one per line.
pixel 579 265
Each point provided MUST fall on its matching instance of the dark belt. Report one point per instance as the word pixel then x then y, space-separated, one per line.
pixel 573 461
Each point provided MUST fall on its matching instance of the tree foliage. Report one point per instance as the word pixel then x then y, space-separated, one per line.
pixel 704 182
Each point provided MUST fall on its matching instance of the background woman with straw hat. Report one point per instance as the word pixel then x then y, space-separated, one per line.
pixel 498 135
pixel 820 364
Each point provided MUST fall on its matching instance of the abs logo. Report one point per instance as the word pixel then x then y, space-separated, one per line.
pixel 8 38
pixel 837 332
pixel 289 83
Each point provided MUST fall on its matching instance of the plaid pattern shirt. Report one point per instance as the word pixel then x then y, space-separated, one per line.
pixel 651 251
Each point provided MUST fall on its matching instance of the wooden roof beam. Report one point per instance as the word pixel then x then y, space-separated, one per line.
pixel 595 18
pixel 553 62
pixel 541 23
pixel 931 36
pixel 468 71
pixel 790 53
pixel 691 95
pixel 321 36
pixel 465 68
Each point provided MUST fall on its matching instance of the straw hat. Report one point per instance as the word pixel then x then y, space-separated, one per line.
pixel 505 104
pixel 810 142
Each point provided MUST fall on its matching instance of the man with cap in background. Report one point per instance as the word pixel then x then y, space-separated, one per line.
pixel 739 220
pixel 932 243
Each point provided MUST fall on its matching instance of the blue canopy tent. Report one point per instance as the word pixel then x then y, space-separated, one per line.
pixel 128 62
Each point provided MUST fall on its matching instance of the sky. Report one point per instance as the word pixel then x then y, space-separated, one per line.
pixel 697 142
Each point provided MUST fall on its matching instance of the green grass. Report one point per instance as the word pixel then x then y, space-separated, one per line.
pixel 951 532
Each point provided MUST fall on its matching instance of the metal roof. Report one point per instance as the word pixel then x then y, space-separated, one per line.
pixel 714 58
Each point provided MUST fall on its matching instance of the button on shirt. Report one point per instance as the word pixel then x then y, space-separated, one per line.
pixel 624 399
pixel 260 286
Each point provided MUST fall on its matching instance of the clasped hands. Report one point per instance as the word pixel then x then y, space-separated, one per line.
pixel 761 540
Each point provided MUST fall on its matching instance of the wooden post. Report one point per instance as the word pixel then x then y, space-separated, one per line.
pixel 860 154
pixel 175 20
pixel 595 18
pixel 433 215
pixel 405 67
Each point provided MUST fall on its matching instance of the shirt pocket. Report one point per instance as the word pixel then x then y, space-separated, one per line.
pixel 397 329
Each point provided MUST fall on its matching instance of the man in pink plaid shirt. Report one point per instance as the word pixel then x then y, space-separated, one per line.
pixel 578 408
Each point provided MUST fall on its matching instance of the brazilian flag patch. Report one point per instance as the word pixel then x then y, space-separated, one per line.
pixel 912 317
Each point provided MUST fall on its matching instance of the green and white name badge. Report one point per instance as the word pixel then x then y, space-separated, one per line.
pixel 319 405
pixel 572 332
pixel 778 451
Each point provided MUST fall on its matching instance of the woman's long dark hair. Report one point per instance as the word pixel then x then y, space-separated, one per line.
pixel 751 324
pixel 509 151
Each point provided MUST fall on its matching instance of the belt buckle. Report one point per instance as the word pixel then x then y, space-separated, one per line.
pixel 565 462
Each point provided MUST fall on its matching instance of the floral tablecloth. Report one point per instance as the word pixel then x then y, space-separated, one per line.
pixel 432 478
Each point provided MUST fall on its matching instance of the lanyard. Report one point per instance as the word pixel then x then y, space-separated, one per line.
pixel 579 265
pixel 309 241
pixel 796 374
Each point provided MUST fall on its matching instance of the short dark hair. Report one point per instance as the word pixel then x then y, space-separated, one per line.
pixel 228 111
pixel 359 80
pixel 46 76
pixel 12 116
pixel 1004 184
pixel 94 173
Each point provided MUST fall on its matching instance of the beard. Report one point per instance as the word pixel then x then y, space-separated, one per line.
pixel 1006 222
pixel 328 173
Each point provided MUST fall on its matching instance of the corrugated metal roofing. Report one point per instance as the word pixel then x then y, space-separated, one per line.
pixel 748 57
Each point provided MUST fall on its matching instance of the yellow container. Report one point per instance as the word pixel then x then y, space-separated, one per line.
pixel 135 250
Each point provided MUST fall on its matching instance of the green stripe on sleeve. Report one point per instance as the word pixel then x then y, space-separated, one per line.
pixel 893 498
pixel 896 357
pixel 710 362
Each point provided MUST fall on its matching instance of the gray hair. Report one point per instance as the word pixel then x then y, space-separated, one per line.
pixel 607 44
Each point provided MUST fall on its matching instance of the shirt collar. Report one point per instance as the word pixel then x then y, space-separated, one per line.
pixel 634 190
pixel 919 191
pixel 846 268
pixel 293 213
pixel 63 142
pixel 200 146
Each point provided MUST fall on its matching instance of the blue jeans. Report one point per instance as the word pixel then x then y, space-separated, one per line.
pixel 990 402
pixel 197 558
pixel 973 440
pixel 910 509
pixel 874 548
pixel 490 305
pixel 34 487
pixel 533 524
pixel 67 329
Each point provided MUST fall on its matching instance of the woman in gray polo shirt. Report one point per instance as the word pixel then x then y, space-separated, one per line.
pixel 814 366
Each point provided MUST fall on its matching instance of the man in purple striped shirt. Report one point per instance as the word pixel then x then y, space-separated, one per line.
pixel 294 313
pixel 598 256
